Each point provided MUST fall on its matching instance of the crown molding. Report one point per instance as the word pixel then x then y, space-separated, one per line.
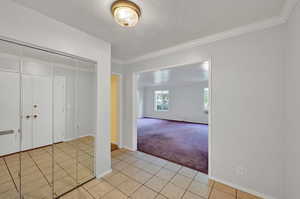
pixel 271 22
pixel 209 39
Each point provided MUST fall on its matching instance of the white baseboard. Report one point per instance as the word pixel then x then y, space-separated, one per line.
pixel 73 138
pixel 176 119
pixel 103 174
pixel 68 139
pixel 129 148
pixel 251 191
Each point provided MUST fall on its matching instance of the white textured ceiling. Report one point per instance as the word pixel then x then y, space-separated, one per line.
pixel 164 23
pixel 183 75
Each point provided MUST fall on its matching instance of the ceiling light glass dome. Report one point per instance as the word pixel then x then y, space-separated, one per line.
pixel 126 13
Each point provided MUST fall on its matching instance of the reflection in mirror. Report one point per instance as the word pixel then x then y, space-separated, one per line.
pixel 9 120
pixel 64 124
pixel 86 116
pixel 47 123
pixel 36 142
pixel 74 123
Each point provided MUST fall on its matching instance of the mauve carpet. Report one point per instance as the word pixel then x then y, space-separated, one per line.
pixel 179 142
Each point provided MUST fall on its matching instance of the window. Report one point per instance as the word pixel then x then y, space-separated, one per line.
pixel 161 100
pixel 206 98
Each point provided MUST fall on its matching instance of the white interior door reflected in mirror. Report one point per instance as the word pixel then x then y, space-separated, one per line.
pixel 37 129
pixel 42 115
pixel 9 114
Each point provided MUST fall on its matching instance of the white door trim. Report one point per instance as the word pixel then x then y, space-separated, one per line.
pixel 210 119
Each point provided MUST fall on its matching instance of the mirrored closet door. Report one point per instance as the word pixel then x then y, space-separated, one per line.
pixel 10 111
pixel 64 124
pixel 47 122
pixel 86 117
pixel 36 142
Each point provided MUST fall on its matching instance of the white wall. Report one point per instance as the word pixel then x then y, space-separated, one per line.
pixel 116 68
pixel 140 102
pixel 247 107
pixel 185 103
pixel 30 26
pixel 292 155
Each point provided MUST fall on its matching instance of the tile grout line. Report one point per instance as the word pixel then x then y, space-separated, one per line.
pixel 144 184
pixel 131 164
pixel 32 158
pixel 176 173
pixel 141 184
pixel 53 171
pixel 12 179
pixel 88 192
pixel 171 161
pixel 153 175
pixel 186 190
pixel 40 170
pixel 169 181
pixel 211 190
pixel 63 152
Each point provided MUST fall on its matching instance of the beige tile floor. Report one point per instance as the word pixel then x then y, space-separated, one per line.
pixel 73 165
pixel 136 175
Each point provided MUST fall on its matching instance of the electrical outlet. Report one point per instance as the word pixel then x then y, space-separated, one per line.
pixel 240 170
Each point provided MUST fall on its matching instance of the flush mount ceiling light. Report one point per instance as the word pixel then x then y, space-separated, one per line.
pixel 126 13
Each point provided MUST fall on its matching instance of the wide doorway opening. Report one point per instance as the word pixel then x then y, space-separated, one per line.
pixel 173 114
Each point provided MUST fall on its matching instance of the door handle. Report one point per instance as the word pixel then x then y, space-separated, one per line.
pixel 35 116
pixel 6 132
pixel 27 116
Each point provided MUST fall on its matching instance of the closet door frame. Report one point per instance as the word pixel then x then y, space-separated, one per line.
pixel 20 130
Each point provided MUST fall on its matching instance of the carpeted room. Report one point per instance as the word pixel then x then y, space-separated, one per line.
pixel 173 115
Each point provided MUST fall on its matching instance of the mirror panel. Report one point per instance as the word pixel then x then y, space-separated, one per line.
pixel 86 115
pixel 10 90
pixel 64 124
pixel 36 142
pixel 47 122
